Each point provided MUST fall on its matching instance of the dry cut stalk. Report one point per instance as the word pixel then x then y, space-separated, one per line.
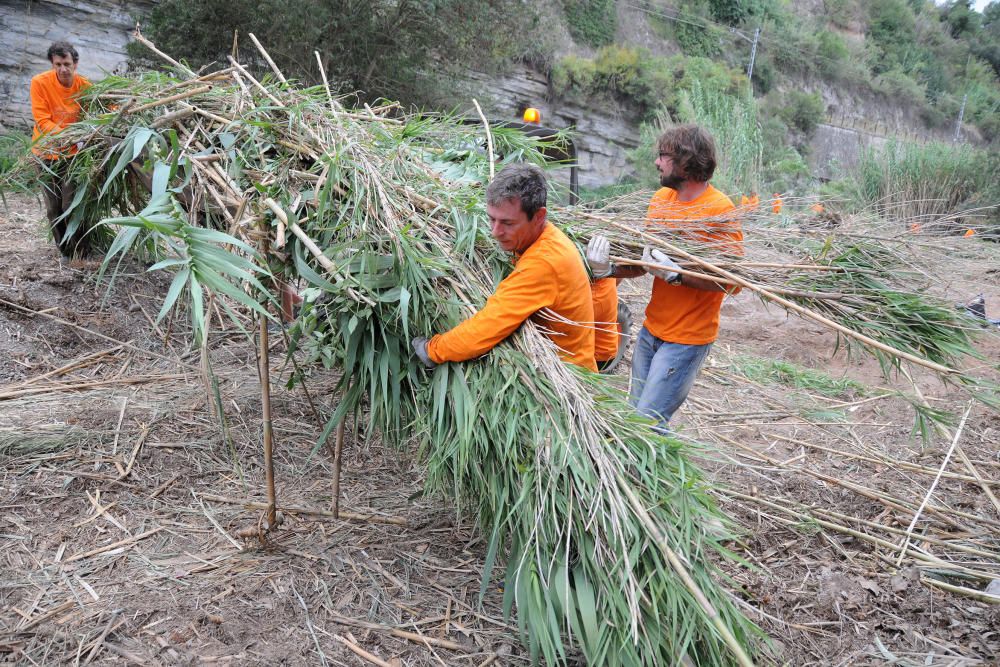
pixel 264 370
pixel 402 634
pixel 961 590
pixel 794 307
pixel 930 491
pixel 294 509
pixel 374 659
pixel 489 137
pixel 267 57
pixel 338 451
pixel 113 545
pixel 832 296
pixel 152 47
pixel 173 98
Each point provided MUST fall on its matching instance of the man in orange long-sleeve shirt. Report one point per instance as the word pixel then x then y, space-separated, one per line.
pixel 54 105
pixel 682 318
pixel 549 283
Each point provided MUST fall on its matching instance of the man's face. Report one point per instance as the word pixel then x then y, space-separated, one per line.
pixel 511 226
pixel 670 174
pixel 65 69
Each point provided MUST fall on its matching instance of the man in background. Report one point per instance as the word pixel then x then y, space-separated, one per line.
pixel 682 318
pixel 54 105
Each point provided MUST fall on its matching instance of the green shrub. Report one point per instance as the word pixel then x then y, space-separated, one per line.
pixel 840 12
pixel 646 81
pixel 913 182
pixel 398 48
pixel 803 111
pixel 623 70
pixel 573 75
pixel 900 87
pixel 734 12
pixel 892 31
pixel 832 52
pixel 732 120
pixel 713 77
pixel 592 22
pixel 786 171
pixel 13 147
pixel 695 40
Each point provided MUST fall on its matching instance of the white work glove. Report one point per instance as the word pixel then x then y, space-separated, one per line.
pixel 653 256
pixel 599 257
pixel 419 345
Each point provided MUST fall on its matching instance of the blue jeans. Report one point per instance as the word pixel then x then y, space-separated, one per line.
pixel 662 375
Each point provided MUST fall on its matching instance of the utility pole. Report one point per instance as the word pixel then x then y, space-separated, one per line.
pixel 961 115
pixel 753 56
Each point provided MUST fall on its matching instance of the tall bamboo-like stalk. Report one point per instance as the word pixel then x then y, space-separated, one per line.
pixel 264 371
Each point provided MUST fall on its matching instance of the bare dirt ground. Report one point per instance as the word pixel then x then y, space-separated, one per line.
pixel 121 505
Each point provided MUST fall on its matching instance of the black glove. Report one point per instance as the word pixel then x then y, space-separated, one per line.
pixel 419 345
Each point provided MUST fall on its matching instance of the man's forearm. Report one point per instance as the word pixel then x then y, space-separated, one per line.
pixel 704 284
pixel 627 272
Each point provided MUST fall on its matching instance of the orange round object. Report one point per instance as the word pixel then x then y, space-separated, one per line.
pixel 532 115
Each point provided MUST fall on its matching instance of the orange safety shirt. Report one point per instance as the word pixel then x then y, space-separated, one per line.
pixel 54 106
pixel 548 275
pixel 605 294
pixel 677 313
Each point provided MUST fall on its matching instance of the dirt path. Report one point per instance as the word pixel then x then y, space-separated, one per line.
pixel 114 546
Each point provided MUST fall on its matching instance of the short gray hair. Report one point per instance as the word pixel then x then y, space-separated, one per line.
pixel 522 181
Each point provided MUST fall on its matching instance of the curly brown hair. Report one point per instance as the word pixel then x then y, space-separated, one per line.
pixel 63 49
pixel 692 148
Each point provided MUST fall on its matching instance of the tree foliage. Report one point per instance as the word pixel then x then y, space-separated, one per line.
pixel 592 22
pixel 388 48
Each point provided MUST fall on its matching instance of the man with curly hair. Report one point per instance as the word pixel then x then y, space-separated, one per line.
pixel 682 318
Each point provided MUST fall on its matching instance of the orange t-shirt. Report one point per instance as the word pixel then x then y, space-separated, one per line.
pixel 548 276
pixel 680 314
pixel 54 106
pixel 605 294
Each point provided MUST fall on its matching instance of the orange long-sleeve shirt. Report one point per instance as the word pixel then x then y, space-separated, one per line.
pixel 680 314
pixel 605 294
pixel 54 106
pixel 548 275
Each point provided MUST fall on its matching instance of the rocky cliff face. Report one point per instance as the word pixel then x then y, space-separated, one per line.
pixel 603 133
pixel 837 150
pixel 98 29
